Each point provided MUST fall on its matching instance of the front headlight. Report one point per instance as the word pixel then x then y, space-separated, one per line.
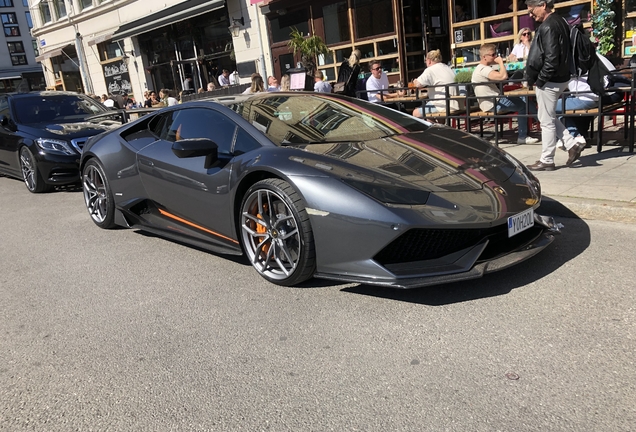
pixel 55 146
pixel 390 194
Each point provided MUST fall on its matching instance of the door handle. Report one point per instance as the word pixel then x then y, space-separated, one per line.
pixel 146 162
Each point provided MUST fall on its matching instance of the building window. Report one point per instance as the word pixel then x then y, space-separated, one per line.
pixel 60 8
pixel 373 17
pixel 18 59
pixel 336 23
pixel 45 12
pixel 36 49
pixel 29 20
pixel 109 50
pixel 10 24
pixel 6 3
pixel 283 25
pixel 15 47
pixel 25 3
pixel 86 4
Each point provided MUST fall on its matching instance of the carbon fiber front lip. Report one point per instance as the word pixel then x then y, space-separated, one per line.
pixel 477 271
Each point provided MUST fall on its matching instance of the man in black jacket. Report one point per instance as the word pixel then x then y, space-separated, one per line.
pixel 547 68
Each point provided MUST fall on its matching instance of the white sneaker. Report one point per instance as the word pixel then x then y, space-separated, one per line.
pixel 527 140
pixel 580 139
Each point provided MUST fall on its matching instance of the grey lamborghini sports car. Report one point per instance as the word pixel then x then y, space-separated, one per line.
pixel 318 185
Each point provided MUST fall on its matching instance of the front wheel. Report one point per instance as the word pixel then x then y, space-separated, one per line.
pixel 276 233
pixel 97 195
pixel 31 174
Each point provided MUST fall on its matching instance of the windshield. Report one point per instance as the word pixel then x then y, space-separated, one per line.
pixel 54 108
pixel 312 118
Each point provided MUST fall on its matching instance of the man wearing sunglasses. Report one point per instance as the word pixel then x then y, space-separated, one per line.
pixel 547 68
pixel 378 81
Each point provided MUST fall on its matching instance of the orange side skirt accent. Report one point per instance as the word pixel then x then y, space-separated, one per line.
pixel 177 218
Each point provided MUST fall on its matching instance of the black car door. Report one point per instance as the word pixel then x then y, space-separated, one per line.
pixel 183 189
pixel 9 159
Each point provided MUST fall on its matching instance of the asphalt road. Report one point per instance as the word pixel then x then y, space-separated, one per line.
pixel 121 331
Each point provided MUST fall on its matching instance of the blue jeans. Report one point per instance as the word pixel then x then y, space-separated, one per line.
pixel 428 109
pixel 516 104
pixel 574 123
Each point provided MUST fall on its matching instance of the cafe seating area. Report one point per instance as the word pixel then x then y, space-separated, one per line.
pixel 470 117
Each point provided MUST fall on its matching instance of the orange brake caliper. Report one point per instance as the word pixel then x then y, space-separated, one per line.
pixel 262 230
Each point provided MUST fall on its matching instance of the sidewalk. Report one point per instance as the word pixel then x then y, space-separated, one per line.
pixel 598 186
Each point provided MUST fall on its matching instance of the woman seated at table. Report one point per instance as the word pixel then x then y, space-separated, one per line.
pixel 522 47
pixel 434 77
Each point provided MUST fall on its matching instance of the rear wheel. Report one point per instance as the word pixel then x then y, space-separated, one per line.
pixel 98 195
pixel 31 174
pixel 276 233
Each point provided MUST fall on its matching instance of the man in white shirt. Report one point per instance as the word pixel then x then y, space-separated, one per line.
pixel 224 78
pixel 378 81
pixel 581 98
pixel 433 78
pixel 320 85
pixel 486 93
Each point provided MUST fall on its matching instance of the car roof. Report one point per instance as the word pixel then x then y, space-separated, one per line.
pixel 42 93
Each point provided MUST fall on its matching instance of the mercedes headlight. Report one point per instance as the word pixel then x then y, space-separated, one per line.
pixel 55 146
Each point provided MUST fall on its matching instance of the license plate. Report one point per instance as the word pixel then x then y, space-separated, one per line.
pixel 520 222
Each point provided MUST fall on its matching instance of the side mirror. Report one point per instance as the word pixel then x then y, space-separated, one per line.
pixel 196 147
pixel 4 120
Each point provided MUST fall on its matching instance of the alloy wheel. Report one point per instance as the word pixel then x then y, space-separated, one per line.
pixel 271 235
pixel 95 194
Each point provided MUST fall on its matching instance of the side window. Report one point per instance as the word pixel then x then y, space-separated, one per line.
pixel 4 106
pixel 203 123
pixel 160 125
pixel 244 143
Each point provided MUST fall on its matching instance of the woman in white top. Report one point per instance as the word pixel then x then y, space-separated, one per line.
pixel 522 48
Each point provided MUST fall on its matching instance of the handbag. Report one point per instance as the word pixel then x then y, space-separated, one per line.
pixel 340 87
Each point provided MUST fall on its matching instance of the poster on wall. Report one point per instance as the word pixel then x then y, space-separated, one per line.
pixel 117 78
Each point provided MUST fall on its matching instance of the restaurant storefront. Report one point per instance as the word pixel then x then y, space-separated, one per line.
pixel 398 40
pixel 400 32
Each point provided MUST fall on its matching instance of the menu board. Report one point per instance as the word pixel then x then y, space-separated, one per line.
pixel 117 78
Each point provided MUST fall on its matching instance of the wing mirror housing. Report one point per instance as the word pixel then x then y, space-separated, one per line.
pixel 196 147
pixel 4 121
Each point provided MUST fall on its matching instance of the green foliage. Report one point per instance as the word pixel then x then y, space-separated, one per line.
pixel 464 76
pixel 603 26
pixel 309 47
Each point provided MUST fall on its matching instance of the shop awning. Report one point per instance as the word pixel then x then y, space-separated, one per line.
pixel 174 14
pixel 101 38
pixel 53 53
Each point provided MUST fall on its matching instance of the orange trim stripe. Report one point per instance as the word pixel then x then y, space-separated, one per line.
pixel 177 218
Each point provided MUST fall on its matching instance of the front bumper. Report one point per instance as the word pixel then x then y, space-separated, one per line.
pixel 58 169
pixel 522 253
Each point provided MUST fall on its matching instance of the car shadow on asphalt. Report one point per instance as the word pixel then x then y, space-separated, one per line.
pixel 574 239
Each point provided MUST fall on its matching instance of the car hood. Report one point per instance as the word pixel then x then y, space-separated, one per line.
pixel 64 130
pixel 437 160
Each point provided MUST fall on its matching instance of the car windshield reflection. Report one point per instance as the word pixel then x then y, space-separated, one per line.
pixel 318 119
pixel 57 108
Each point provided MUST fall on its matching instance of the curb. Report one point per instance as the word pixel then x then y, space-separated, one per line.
pixel 568 207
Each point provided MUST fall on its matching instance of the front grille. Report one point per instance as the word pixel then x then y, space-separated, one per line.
pixel 429 244
pixel 78 143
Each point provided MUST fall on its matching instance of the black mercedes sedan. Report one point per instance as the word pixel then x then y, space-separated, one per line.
pixel 42 135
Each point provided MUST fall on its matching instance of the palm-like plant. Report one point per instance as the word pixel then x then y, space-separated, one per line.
pixel 309 48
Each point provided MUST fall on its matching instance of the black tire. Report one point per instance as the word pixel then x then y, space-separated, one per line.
pixel 98 196
pixel 31 174
pixel 276 233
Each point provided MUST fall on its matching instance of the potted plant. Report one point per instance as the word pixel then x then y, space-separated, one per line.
pixel 309 47
pixel 463 76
